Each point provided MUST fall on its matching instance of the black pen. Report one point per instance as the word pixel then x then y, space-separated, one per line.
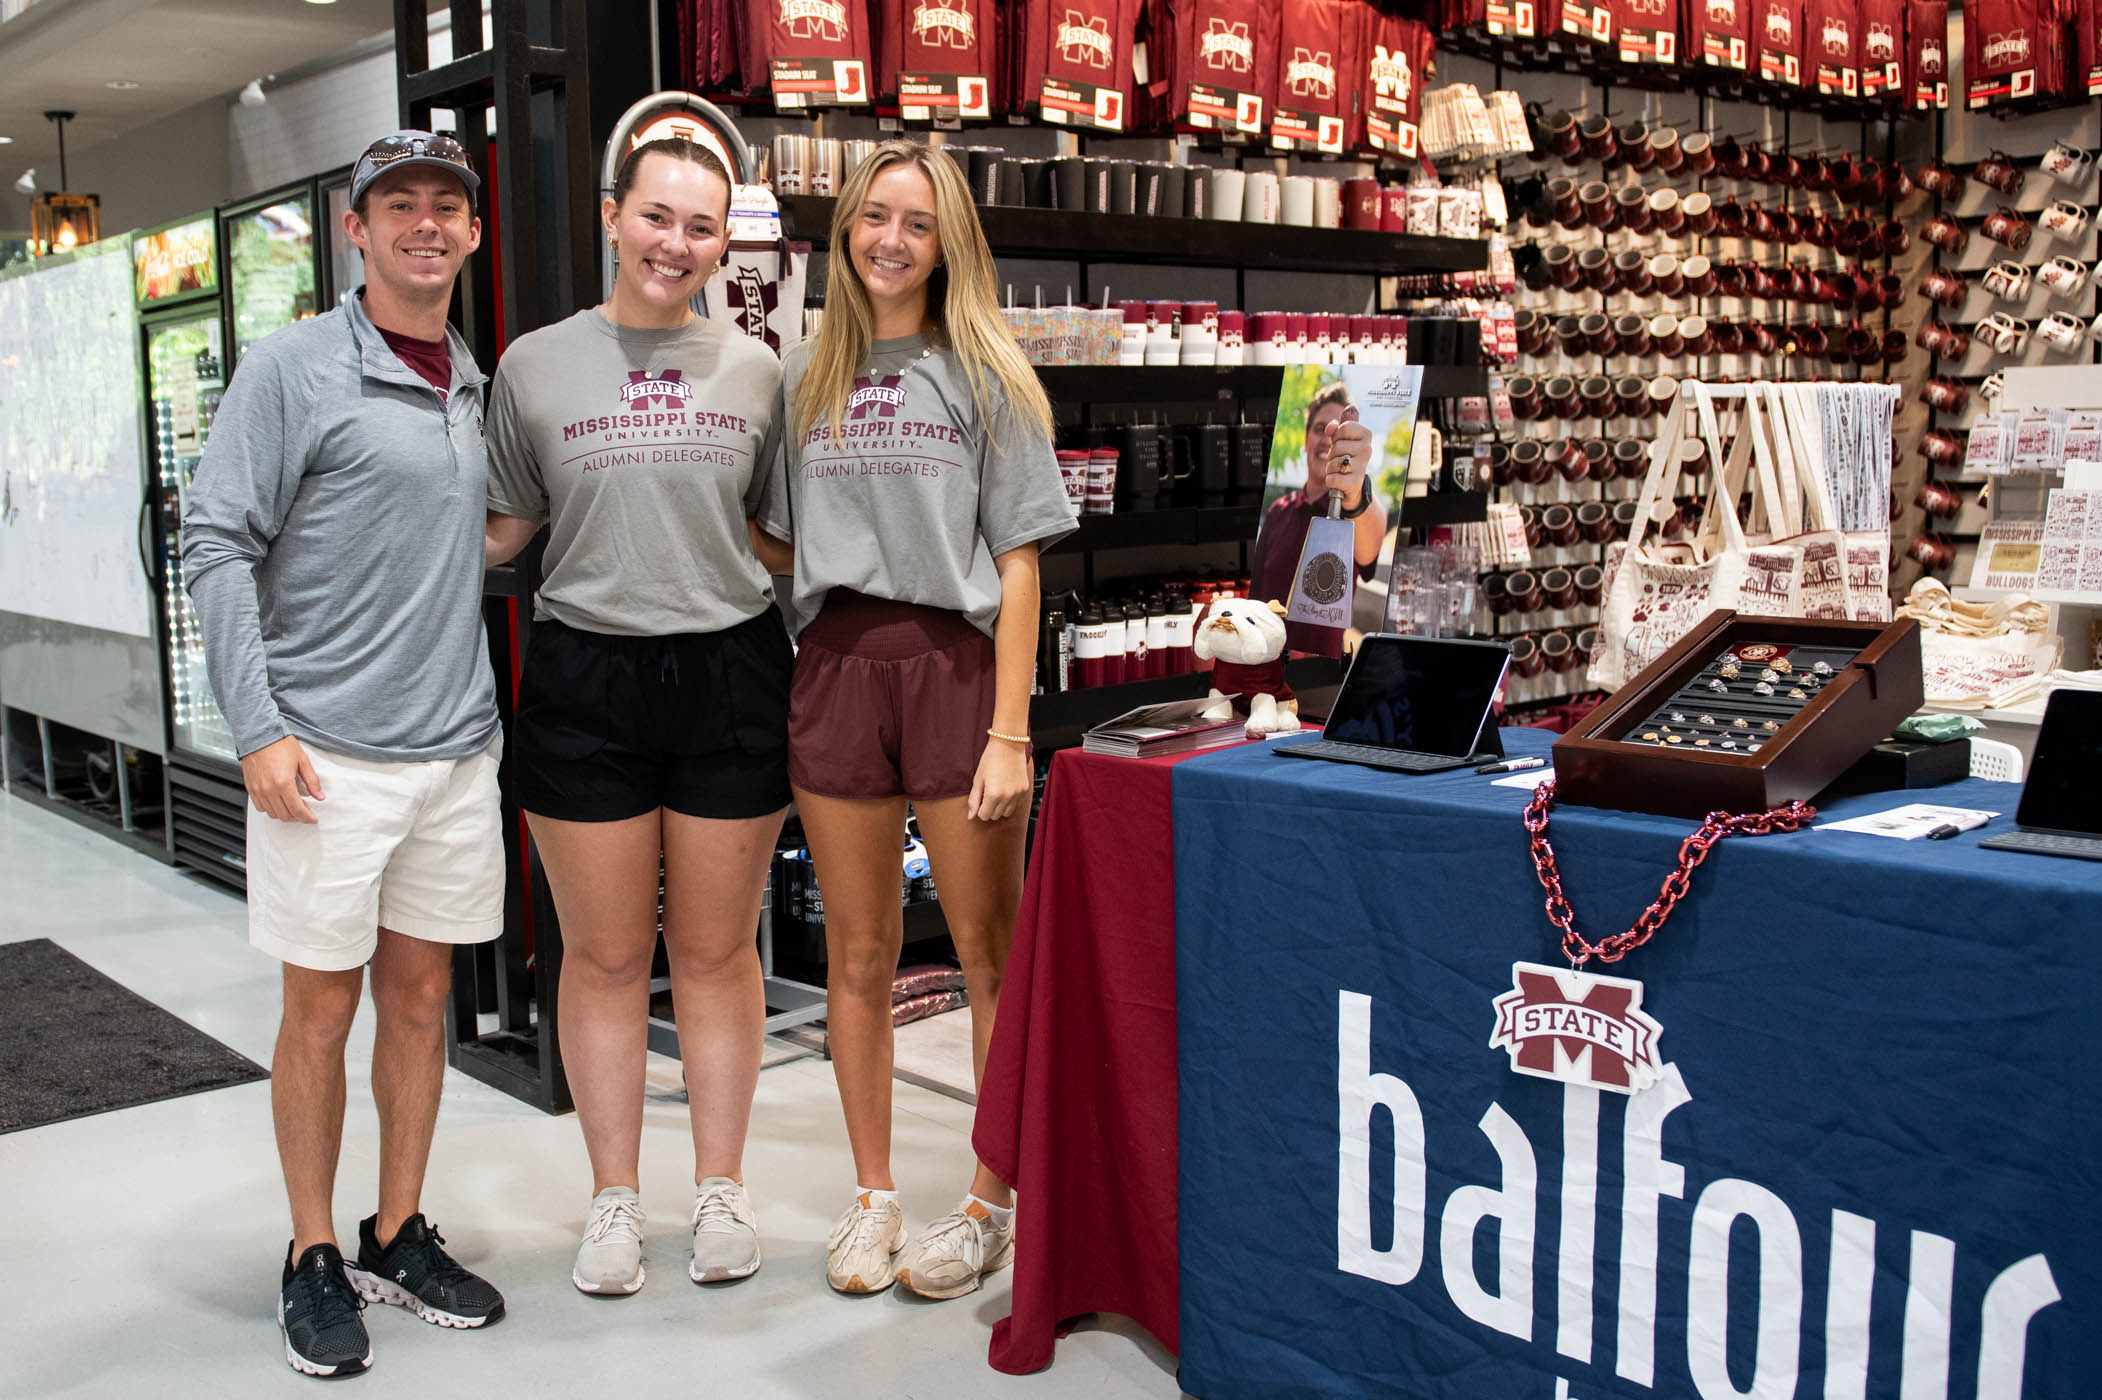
pixel 1944 832
pixel 1512 765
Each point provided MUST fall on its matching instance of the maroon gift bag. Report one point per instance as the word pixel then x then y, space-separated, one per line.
pixel 1927 39
pixel 1780 40
pixel 1399 54
pixel 937 57
pixel 1835 64
pixel 1317 40
pixel 1077 70
pixel 1718 32
pixel 1225 64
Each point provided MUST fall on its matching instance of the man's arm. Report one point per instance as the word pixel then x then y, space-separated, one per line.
pixel 242 492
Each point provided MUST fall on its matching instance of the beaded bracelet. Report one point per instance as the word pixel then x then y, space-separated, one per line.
pixel 1011 738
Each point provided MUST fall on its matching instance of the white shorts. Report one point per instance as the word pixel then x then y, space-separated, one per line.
pixel 414 847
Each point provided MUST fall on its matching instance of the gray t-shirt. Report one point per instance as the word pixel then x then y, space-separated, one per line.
pixel 917 497
pixel 644 448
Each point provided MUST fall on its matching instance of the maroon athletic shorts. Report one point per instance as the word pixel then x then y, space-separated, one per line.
pixel 890 699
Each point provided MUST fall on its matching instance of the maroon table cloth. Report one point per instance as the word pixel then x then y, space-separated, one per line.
pixel 1078 1107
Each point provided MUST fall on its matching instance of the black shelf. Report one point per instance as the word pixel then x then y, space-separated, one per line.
pixel 1142 238
pixel 1058 721
pixel 1446 508
pixel 1182 383
pixel 1138 529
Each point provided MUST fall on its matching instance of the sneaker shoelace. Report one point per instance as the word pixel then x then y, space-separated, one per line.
pixel 714 1210
pixel 327 1296
pixel 868 1224
pixel 438 1266
pixel 957 1222
pixel 619 1216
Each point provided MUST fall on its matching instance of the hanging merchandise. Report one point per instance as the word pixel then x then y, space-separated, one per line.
pixel 760 287
pixel 1399 56
pixel 1513 19
pixel 1581 20
pixel 1927 37
pixel 1078 61
pixel 1719 33
pixel 810 53
pixel 2011 52
pixel 1781 40
pixel 937 57
pixel 1881 49
pixel 2087 20
pixel 1834 39
pixel 1317 47
pixel 1647 31
pixel 1221 59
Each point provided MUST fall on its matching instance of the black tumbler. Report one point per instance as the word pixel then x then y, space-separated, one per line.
pixel 1251 462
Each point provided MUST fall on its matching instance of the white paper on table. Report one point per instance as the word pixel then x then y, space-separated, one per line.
pixel 1529 779
pixel 1911 821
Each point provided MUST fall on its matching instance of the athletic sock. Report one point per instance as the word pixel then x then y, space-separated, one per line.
pixel 875 1195
pixel 1002 1216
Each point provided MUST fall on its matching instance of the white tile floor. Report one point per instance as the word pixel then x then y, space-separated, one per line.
pixel 141 1248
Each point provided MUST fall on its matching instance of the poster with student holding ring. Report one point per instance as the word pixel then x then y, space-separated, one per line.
pixel 917 484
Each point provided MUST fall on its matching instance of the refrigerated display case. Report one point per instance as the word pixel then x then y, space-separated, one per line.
pixel 345 264
pixel 273 271
pixel 179 280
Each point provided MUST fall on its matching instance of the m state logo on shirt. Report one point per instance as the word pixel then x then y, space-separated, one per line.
pixel 949 25
pixel 665 389
pixel 1311 74
pixel 821 20
pixel 1391 74
pixel 1225 45
pixel 875 396
pixel 1083 40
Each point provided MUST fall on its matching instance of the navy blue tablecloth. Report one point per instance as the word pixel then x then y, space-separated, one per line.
pixel 1869 1170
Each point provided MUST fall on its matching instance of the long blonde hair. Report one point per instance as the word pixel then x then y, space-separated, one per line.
pixel 961 299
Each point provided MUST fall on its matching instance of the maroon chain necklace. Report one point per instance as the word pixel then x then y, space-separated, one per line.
pixel 1692 851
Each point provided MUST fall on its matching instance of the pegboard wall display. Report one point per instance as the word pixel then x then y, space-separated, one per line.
pixel 1752 190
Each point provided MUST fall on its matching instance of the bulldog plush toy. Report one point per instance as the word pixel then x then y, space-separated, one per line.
pixel 1245 642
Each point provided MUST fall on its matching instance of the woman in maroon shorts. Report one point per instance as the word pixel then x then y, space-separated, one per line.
pixel 919 485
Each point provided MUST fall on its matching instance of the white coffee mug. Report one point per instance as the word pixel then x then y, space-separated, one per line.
pixel 2060 331
pixel 2062 276
pixel 2063 219
pixel 2007 280
pixel 1229 188
pixel 1259 198
pixel 2004 333
pixel 1295 198
pixel 1328 202
pixel 2067 162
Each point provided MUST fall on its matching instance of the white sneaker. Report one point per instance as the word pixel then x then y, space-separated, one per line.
pixel 609 1260
pixel 956 1252
pixel 725 1232
pixel 858 1256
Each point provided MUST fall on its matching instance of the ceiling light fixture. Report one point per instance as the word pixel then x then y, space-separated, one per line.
pixel 120 84
pixel 59 219
pixel 27 184
pixel 7 140
pixel 252 95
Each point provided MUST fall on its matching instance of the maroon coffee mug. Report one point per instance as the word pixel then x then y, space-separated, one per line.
pixel 1595 270
pixel 1562 200
pixel 1999 172
pixel 1631 331
pixel 1698 275
pixel 1598 457
pixel 1937 178
pixel 1698 208
pixel 1596 330
pixel 1731 279
pixel 1944 286
pixel 1810 339
pixel 1595 137
pixel 1558 585
pixel 1558 134
pixel 1732 219
pixel 1941 447
pixel 1361 203
pixel 1666 277
pixel 1694 331
pixel 1632 207
pixel 1892 238
pixel 1945 233
pixel 1496 592
pixel 1665 152
pixel 2007 228
pixel 1945 395
pixel 1698 150
pixel 1525 590
pixel 1634 152
pixel 1558 264
pixel 1525 395
pixel 1594 523
pixel 1663 393
pixel 1560 524
pixel 1559 650
pixel 1623 519
pixel 1525 657
pixel 1664 336
pixel 1529 462
pixel 1630 458
pixel 1631 272
pixel 1595 395
pixel 1693 457
pixel 1727 337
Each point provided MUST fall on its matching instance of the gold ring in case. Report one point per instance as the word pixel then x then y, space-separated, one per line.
pixel 1728 670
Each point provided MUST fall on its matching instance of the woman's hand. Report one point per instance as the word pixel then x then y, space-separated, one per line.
pixel 1002 785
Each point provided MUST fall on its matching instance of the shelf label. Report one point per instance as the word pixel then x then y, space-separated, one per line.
pixel 1295 130
pixel 1081 104
pixel 818 82
pixel 1223 109
pixel 932 96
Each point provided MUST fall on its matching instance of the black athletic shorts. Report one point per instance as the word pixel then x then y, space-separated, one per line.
pixel 614 727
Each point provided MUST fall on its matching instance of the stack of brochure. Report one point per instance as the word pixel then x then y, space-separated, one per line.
pixel 1179 726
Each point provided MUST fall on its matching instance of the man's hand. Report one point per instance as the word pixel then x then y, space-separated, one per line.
pixel 1349 453
pixel 279 776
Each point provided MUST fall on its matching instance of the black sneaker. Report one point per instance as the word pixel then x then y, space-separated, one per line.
pixel 414 1273
pixel 317 1311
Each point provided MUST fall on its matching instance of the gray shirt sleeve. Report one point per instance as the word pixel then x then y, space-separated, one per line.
pixel 1021 497
pixel 239 498
pixel 516 487
pixel 775 512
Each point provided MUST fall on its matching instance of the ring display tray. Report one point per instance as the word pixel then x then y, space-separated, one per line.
pixel 1743 713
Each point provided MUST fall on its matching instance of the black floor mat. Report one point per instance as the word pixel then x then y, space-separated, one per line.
pixel 73 1043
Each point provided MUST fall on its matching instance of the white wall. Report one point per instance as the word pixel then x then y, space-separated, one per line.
pixel 174 167
pixel 312 125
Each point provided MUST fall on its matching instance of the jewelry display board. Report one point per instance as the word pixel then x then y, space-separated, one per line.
pixel 1743 714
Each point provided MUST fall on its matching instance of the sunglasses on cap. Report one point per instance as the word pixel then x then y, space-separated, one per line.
pixel 392 148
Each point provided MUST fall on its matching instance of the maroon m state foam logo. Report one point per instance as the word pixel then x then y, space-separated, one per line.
pixel 1578 1027
pixel 875 396
pixel 665 389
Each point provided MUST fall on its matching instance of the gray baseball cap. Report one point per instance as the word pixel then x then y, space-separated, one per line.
pixel 406 148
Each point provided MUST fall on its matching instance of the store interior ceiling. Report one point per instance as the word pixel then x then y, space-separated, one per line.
pixel 80 55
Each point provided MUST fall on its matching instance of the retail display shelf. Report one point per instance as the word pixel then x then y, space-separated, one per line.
pixel 1446 508
pixel 1134 529
pixel 1142 238
pixel 1180 383
pixel 1058 721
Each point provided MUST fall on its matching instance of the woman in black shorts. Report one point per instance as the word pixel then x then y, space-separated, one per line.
pixel 919 485
pixel 652 715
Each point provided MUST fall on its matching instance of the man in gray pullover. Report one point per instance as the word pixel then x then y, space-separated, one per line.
pixel 333 543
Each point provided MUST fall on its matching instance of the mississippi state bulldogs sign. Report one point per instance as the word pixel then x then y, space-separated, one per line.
pixel 1579 1028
